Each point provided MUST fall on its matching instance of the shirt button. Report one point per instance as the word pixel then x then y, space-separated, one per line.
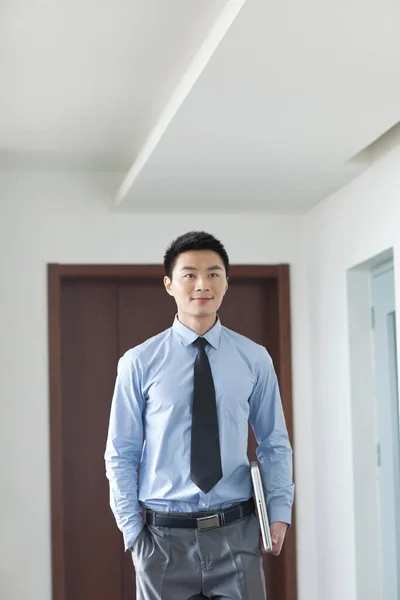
pixel 203 504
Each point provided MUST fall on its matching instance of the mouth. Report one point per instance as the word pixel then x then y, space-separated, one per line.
pixel 202 300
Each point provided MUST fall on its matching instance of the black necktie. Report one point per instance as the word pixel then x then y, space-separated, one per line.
pixel 205 458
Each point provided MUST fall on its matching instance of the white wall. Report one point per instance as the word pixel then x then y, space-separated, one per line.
pixel 65 218
pixel 353 225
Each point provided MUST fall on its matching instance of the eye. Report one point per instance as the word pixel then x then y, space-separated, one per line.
pixel 189 276
pixel 214 274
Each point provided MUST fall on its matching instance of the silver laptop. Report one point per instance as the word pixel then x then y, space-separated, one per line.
pixel 261 506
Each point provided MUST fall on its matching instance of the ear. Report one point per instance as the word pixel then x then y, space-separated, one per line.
pixel 227 285
pixel 168 285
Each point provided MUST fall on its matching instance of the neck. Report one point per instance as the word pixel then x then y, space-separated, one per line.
pixel 199 326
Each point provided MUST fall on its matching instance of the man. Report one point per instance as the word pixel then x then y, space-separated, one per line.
pixel 181 407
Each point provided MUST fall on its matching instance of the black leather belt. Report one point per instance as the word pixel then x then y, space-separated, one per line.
pixel 202 520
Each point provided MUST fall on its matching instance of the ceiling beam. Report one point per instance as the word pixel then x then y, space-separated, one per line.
pixel 196 67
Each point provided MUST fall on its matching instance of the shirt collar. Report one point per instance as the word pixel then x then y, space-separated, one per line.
pixel 188 336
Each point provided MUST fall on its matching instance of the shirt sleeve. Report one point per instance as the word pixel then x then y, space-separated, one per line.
pixel 124 447
pixel 274 451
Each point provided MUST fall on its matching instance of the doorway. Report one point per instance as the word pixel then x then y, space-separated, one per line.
pixel 96 313
pixel 387 414
pixel 375 426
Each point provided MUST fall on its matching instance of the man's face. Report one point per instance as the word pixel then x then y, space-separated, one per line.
pixel 198 283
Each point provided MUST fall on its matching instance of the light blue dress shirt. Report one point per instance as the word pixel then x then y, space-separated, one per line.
pixel 150 425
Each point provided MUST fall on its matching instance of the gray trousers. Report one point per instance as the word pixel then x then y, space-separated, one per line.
pixel 183 564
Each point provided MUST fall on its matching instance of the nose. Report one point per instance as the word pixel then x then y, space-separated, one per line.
pixel 202 286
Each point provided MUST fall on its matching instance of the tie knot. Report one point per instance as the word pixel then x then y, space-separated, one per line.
pixel 201 343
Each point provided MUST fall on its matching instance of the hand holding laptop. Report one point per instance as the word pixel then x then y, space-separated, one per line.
pixel 278 533
pixel 274 535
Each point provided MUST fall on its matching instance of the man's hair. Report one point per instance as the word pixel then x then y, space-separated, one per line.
pixel 193 240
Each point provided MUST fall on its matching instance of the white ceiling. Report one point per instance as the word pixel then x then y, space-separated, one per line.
pixel 292 92
pixel 82 81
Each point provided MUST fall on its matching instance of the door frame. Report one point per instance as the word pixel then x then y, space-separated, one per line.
pixel 385 269
pixel 56 273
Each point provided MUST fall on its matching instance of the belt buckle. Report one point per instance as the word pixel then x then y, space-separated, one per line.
pixel 211 522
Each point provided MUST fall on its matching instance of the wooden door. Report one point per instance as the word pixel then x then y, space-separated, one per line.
pixel 99 319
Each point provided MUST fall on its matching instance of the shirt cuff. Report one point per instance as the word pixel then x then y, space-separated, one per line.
pixel 282 514
pixel 131 535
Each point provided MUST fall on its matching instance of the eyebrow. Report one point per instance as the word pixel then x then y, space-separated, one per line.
pixel 190 268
